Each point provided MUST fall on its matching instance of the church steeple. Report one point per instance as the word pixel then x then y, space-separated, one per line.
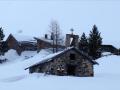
pixel 71 39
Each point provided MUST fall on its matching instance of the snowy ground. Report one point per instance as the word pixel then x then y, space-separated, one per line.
pixel 14 77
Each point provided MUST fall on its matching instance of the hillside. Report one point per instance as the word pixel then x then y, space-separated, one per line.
pixel 13 76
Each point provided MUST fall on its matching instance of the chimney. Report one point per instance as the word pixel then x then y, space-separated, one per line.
pixel 52 36
pixel 46 36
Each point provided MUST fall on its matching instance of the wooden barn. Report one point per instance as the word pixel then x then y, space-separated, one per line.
pixel 71 62
pixel 105 48
pixel 21 43
pixel 43 43
pixel 109 48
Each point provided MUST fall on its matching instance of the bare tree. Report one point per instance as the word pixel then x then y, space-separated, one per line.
pixel 55 35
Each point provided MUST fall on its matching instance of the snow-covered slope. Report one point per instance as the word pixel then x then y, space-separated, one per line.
pixel 107 77
pixel 108 65
pixel 11 55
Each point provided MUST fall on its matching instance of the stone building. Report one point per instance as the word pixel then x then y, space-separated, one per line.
pixel 70 61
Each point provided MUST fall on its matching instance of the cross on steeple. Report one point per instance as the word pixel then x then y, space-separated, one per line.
pixel 72 30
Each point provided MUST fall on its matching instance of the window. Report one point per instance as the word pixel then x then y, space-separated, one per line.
pixel 72 57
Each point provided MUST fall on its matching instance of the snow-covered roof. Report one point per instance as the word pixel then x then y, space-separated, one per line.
pixel 23 37
pixel 39 59
pixel 55 55
pixel 48 40
pixel 19 37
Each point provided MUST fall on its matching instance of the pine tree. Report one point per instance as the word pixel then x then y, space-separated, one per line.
pixel 1 40
pixel 95 42
pixel 4 47
pixel 1 34
pixel 83 44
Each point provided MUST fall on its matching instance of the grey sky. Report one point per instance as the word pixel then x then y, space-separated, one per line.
pixel 33 17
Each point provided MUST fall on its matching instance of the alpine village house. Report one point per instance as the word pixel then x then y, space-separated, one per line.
pixel 70 61
pixel 22 43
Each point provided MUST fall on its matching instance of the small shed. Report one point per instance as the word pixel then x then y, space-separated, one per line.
pixel 71 62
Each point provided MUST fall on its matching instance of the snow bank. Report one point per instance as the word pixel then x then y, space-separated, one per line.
pixel 108 65
pixel 12 55
pixel 107 77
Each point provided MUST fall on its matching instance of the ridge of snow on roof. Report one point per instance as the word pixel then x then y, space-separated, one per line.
pixel 51 56
pixel 20 37
pixel 48 40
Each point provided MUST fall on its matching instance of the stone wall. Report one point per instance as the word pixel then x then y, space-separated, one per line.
pixel 59 66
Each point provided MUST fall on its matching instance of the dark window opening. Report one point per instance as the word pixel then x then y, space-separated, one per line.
pixel 46 36
pixel 52 69
pixel 72 57
pixel 71 70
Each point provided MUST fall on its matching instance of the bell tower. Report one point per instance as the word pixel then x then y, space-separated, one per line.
pixel 71 39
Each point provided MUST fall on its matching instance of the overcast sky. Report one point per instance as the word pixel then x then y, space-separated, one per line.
pixel 34 17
